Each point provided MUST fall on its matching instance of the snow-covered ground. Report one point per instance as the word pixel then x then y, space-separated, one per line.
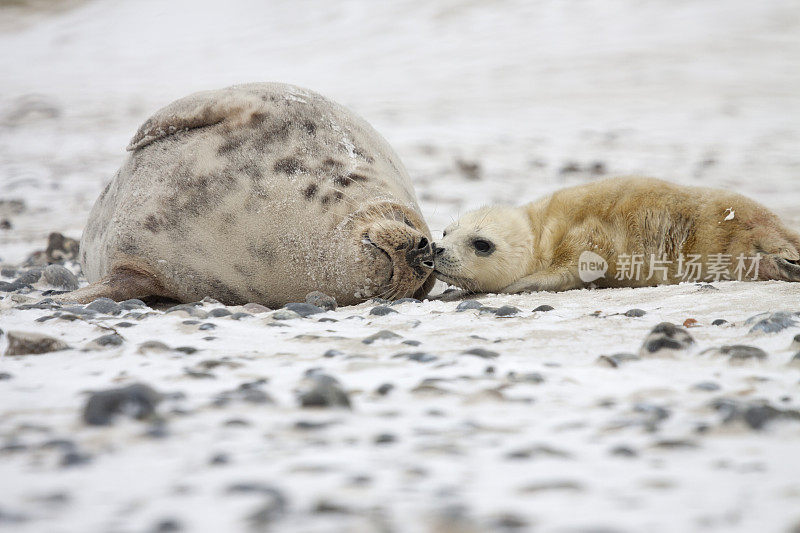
pixel 538 95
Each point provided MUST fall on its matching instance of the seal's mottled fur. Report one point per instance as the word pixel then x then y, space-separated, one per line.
pixel 257 193
pixel 538 247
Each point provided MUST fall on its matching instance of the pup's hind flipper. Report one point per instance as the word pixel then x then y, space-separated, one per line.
pixel 122 283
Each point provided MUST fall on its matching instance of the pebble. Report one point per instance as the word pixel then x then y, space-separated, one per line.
pixel 284 314
pixel 58 276
pixel 74 458
pixel 616 360
pixel 527 377
pixel 719 322
pixel 755 414
pixel 5 375
pixel 332 353
pixel 188 350
pixel 481 352
pixel 322 390
pixel 544 308
pixel 152 346
pixel 420 357
pixel 249 392
pixel 384 389
pixel 635 313
pixel 771 322
pixel 190 309
pixel 739 353
pixel 29 277
pixel 124 325
pixel 406 301
pixel 795 343
pixel 8 272
pixel 131 304
pixel 168 525
pixel 219 312
pixel 321 300
pixel 665 339
pixel 13 286
pixel 623 451
pixel 255 308
pixel 273 507
pixel 468 304
pixel 303 309
pixel 219 459
pixel 381 310
pixel 706 386
pixel 80 311
pixel 795 361
pixel 105 306
pixel 240 315
pixel 385 438
pixel 382 335
pixel 136 400
pixel 503 311
pixel 26 343
pixel 108 340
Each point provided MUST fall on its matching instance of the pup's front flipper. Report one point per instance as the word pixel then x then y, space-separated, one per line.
pixel 121 284
pixel 553 281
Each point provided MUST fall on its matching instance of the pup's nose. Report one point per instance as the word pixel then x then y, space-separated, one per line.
pixel 437 250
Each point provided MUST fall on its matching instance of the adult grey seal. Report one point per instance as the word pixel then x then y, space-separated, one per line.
pixel 260 192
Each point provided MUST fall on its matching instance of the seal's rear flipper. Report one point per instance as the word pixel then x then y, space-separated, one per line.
pixel 123 283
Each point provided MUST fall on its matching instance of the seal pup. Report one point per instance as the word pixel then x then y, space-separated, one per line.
pixel 260 192
pixel 618 232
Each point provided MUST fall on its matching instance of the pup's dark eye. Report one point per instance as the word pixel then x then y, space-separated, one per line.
pixel 444 234
pixel 483 247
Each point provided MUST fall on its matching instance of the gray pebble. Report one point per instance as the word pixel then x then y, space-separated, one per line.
pixel 105 306
pixel 544 308
pixel 303 309
pixel 58 276
pixel 384 389
pixel 706 386
pixel 5 375
pixel 249 392
pixel 124 325
pixel 755 414
pixel 481 352
pixel 188 350
pixel 526 377
pixel 381 310
pixel 74 458
pixel 795 361
pixel 273 507
pixel 332 353
pixel 795 343
pixel 219 312
pixel 468 304
pixel 772 322
pixel 666 338
pixel 29 277
pixel 322 390
pixel 153 346
pixel 382 335
pixel 635 313
pixel 168 525
pixel 13 286
pixel 255 308
pixel 219 459
pixel 385 438
pixel 133 303
pixel 109 340
pixel 191 309
pixel 623 451
pixel 504 311
pixel 207 326
pixel 411 342
pixel 25 343
pixel 321 300
pixel 284 314
pixel 406 301
pixel 80 311
pixel 616 360
pixel 719 322
pixel 738 353
pixel 137 400
pixel 240 315
pixel 8 272
pixel 420 357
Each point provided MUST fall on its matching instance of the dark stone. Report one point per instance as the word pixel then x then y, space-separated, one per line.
pixel 719 322
pixel 538 450
pixel 109 340
pixel 58 276
pixel 406 301
pixel 207 326
pixel 384 389
pixel 133 303
pixel 322 390
pixel 168 525
pixel 506 310
pixel 61 248
pixel 273 507
pixel 527 377
pixel 321 300
pixel 137 400
pixel 381 310
pixel 673 444
pixel 616 360
pixel 635 313
pixel 25 343
pixel 666 337
pixel 741 352
pixel 105 306
pixel 219 459
pixel 706 386
pixel 382 335
pixel 74 458
pixel 29 277
pixel 8 272
pixel 240 315
pixel 411 342
pixel 4 376
pixel 124 325
pixel 481 352
pixel 623 451
pixel 249 392
pixel 219 312
pixel 755 414
pixel 332 353
pixel 385 438
pixel 303 309
pixel 13 286
pixel 420 357
pixel 544 308
pixel 468 304
pixel 772 322
pixel 80 311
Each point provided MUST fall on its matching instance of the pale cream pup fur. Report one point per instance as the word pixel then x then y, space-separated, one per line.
pixel 536 247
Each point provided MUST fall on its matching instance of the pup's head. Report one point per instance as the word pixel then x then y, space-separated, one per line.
pixel 486 250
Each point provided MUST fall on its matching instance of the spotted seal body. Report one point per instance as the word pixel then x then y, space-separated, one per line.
pixel 257 193
pixel 618 232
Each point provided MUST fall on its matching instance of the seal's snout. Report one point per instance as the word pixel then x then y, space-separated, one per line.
pixel 437 250
pixel 420 252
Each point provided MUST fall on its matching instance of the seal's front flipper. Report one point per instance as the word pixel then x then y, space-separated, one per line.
pixel 198 110
pixel 123 283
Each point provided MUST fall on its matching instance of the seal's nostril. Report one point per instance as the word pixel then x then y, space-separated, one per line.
pixel 423 242
pixel 428 264
pixel 437 250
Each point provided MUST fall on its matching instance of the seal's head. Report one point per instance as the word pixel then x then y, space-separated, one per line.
pixel 485 250
pixel 397 245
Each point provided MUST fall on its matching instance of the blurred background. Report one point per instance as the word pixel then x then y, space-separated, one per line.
pixel 485 101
